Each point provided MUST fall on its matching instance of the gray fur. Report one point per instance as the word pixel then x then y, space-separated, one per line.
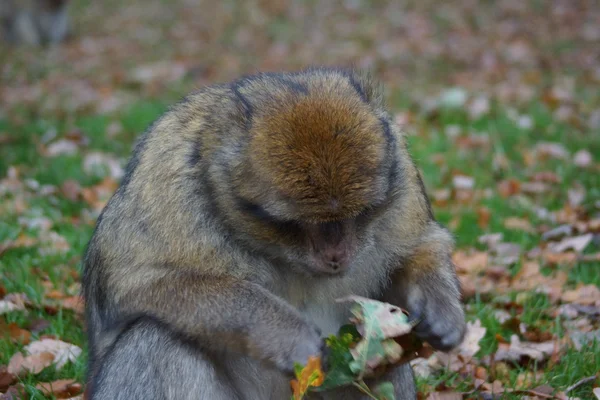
pixel 188 295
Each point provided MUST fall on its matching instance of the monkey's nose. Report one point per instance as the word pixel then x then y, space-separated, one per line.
pixel 335 258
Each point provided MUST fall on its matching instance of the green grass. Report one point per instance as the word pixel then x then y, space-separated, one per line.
pixel 22 270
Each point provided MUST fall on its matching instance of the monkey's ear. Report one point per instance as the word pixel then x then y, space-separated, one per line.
pixel 371 87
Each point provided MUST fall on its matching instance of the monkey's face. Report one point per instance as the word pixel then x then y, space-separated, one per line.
pixel 315 247
pixel 316 168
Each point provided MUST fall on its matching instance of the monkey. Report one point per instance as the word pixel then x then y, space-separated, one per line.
pixel 245 211
pixel 34 22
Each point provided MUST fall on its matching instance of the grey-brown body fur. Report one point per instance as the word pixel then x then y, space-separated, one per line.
pixel 34 22
pixel 183 304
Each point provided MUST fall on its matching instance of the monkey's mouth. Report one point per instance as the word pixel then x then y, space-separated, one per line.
pixel 329 268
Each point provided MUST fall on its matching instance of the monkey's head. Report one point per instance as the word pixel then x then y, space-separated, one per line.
pixel 320 165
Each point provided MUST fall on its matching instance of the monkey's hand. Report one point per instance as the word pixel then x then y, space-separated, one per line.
pixel 436 308
pixel 293 341
pixel 425 284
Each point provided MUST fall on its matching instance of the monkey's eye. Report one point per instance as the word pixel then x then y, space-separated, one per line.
pixel 256 211
pixel 372 212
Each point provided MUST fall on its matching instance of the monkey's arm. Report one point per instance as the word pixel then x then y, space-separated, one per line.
pixel 225 313
pixel 425 284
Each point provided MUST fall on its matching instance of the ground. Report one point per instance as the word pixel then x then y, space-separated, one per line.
pixel 501 104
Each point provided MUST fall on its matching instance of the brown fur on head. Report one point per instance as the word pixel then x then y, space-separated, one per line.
pixel 321 151
pixel 319 156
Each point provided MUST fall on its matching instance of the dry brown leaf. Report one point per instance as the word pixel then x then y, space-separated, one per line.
pixel 38 325
pixel 74 303
pixel 71 189
pixel 576 243
pixel 506 253
pixel 583 159
pixel 491 239
pixel 518 349
pixel 97 163
pixel 545 150
pixel 535 187
pixel 15 392
pixel 33 364
pixel 445 396
pixel 560 258
pixel 470 344
pixel 583 294
pixel 6 378
pixel 61 389
pixel 15 333
pixel 63 352
pixel 61 147
pixel 54 294
pixel 509 188
pixel 8 306
pixel 529 378
pixel 463 182
pixel 470 263
pixel 519 224
pixel 576 195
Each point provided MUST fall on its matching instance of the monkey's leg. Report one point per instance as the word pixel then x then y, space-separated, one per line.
pixel 147 361
pixel 401 377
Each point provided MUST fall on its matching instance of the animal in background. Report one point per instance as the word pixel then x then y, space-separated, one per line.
pixel 34 22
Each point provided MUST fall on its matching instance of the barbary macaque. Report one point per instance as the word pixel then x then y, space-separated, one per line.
pixel 34 22
pixel 246 210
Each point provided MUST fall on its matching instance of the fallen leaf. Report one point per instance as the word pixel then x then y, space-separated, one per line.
pixel 97 163
pixel 445 396
pixel 509 188
pixel 6 378
pixel 518 224
pixel 534 187
pixel 38 325
pixel 478 107
pixel 33 364
pixel 15 392
pixel 463 182
pixel 61 147
pixel 63 352
pixel 576 243
pixel 453 98
pixel 470 263
pixel 61 389
pixel 15 333
pixel 558 232
pixel 506 253
pixel 71 189
pixel 560 258
pixel 583 294
pixel 491 239
pixel 8 306
pixel 518 349
pixel 470 344
pixel 546 176
pixel 583 159
pixel 483 217
pixel 74 303
pixel 551 150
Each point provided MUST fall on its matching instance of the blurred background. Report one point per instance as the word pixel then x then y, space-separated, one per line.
pixel 500 101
